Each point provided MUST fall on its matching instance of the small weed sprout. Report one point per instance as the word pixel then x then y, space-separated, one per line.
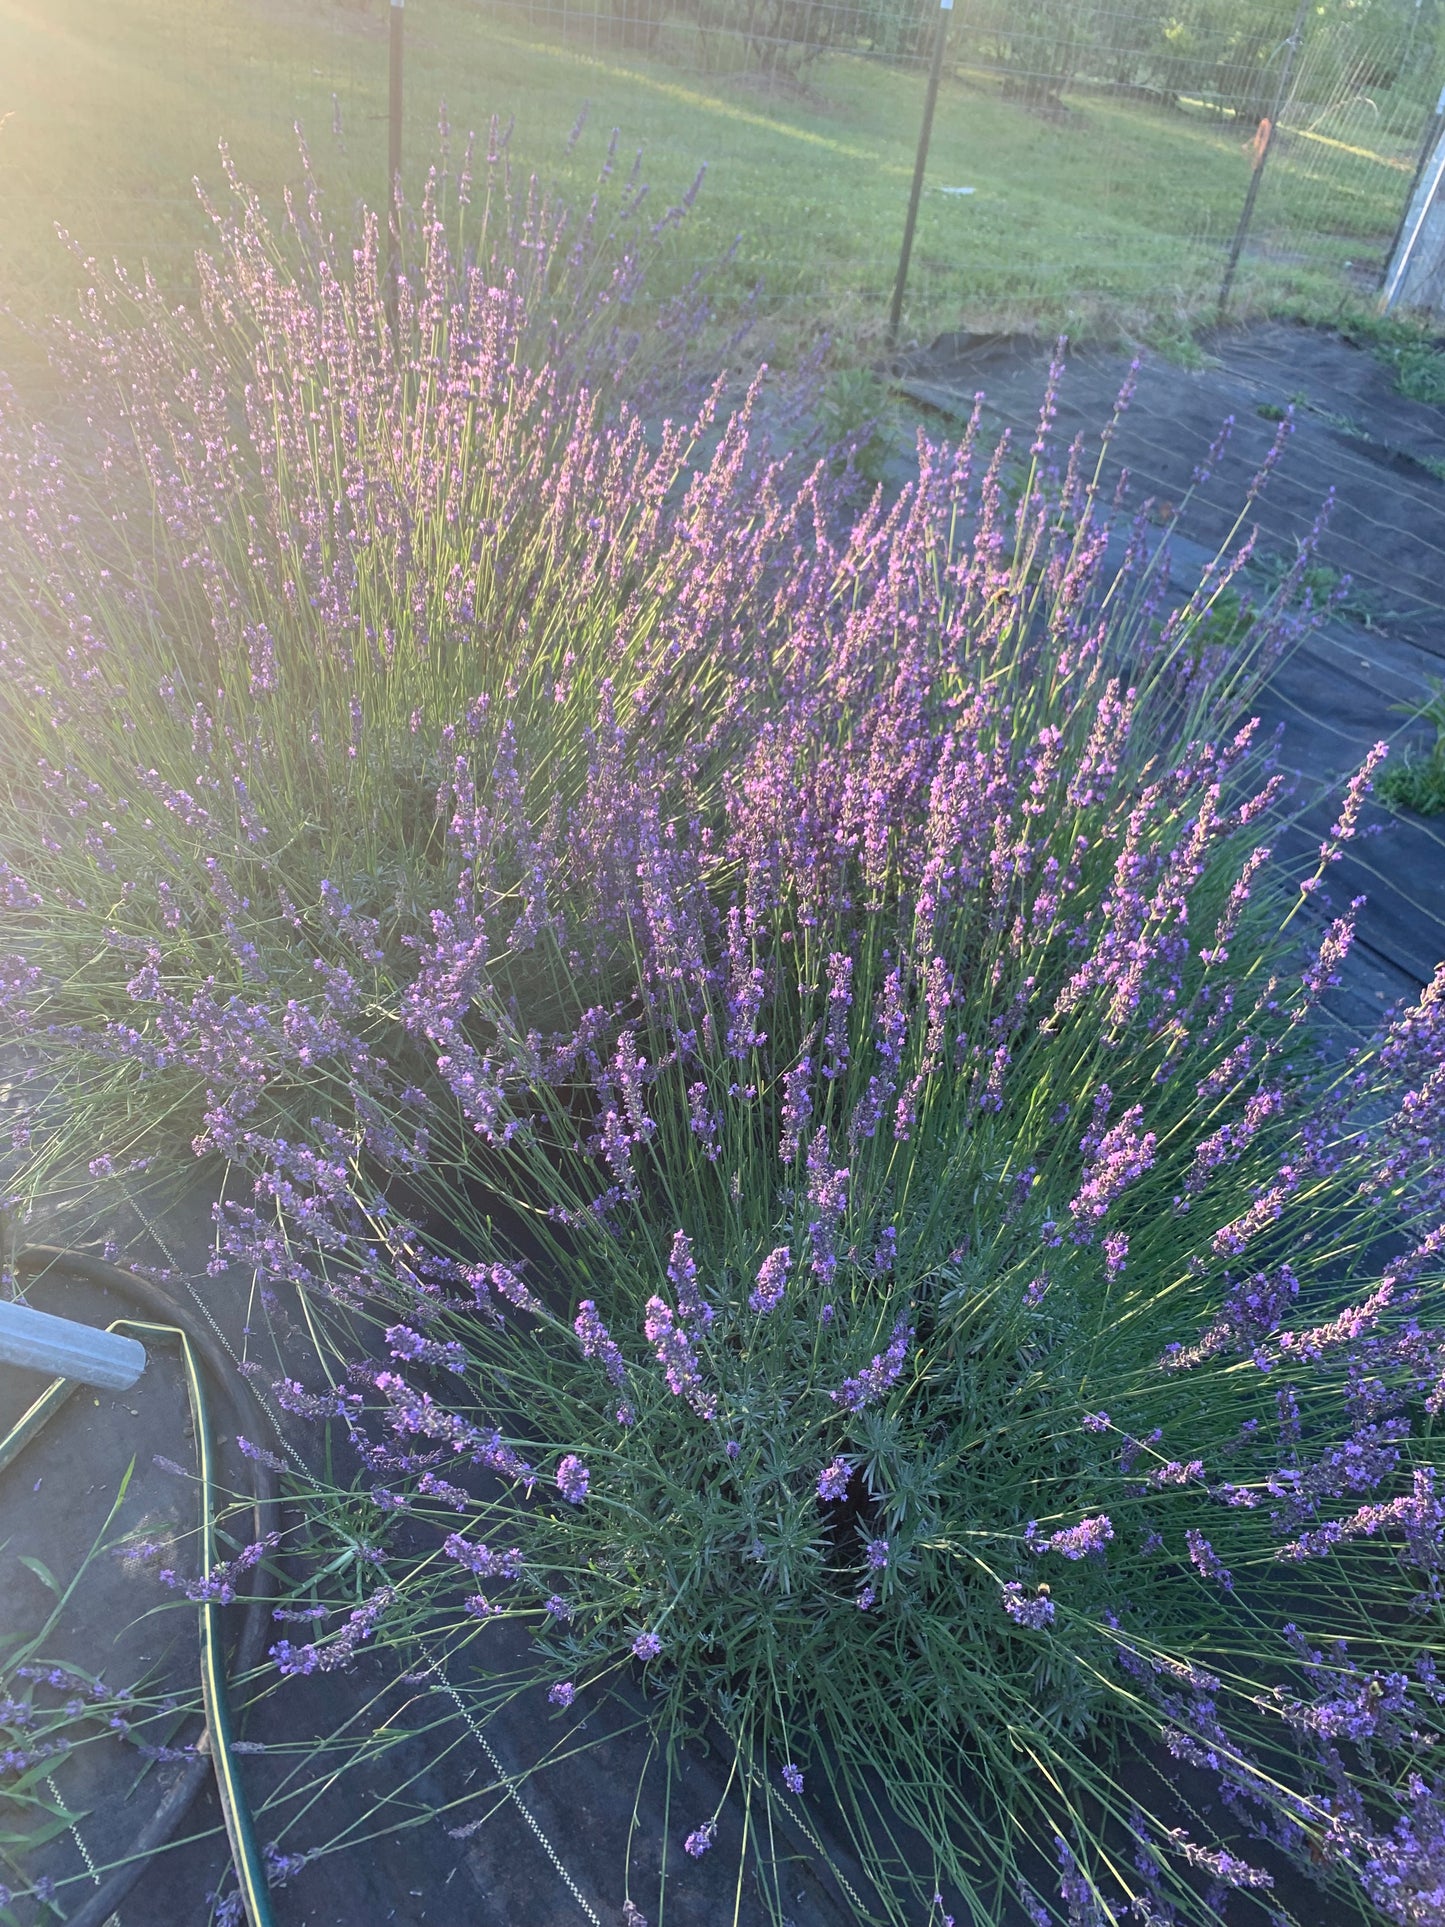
pixel 1417 781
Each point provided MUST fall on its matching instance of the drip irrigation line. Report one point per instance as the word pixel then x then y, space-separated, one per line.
pixel 434 1664
pixel 509 1784
pixel 80 1846
pixel 443 1682
pixel 258 1397
pixel 201 1357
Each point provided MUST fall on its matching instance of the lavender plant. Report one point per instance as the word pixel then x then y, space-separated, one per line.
pixel 774 1062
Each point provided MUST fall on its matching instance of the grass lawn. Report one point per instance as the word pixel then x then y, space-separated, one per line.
pixel 1111 219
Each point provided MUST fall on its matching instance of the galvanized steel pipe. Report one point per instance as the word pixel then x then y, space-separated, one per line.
pixel 61 1348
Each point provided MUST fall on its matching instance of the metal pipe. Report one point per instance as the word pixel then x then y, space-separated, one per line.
pixel 895 312
pixel 40 1342
pixel 1427 144
pixel 393 165
pixel 1422 200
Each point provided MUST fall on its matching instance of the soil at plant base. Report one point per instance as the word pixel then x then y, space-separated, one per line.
pixel 1353 434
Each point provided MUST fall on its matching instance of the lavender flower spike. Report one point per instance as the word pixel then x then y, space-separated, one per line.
pixel 597 1342
pixel 1035 1613
pixel 870 1384
pixel 767 1294
pixel 573 1479
pixel 673 1345
pixel 681 1269
pixel 833 1480
pixel 1089 1536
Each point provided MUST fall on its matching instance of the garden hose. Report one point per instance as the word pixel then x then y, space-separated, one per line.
pixel 200 1355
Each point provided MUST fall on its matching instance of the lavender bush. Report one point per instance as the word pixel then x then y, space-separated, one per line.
pixel 772 1056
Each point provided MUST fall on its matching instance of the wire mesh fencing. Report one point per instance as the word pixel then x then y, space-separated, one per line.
pixel 1149 122
pixel 1090 159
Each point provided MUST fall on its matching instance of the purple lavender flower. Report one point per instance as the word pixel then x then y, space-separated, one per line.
pixel 1038 1914
pixel 219 1583
pixel 833 1480
pixel 646 1646
pixel 1088 1537
pixel 678 1359
pixel 840 1002
pixel 1077 1892
pixel 1035 1612
pixel 511 1287
pixel 876 1553
pixel 767 1294
pixel 573 1478
pixel 1119 1158
pixel 745 994
pixel 562 1693
pixel 1173 1472
pixel 692 1306
pixel 405 1343
pixel 1418 1513
pixel 793 1778
pixel 339 1652
pixel 1205 1560
pixel 1096 1421
pixel 597 1342
pixel 797 1108
pixel 481 1560
pixel 875 1380
pixel 700 1840
pixel 702 1121
pixel 828 1199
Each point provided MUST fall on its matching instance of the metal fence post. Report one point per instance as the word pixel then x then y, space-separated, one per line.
pixel 393 167
pixel 1422 202
pixel 895 312
pixel 1262 153
pixel 1427 147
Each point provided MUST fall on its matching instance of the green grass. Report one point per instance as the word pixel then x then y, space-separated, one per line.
pixel 1416 781
pixel 1110 221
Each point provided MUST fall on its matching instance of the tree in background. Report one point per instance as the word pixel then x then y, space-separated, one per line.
pixel 1225 52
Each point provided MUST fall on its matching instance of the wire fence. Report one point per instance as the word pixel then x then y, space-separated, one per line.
pixel 1091 159
pixel 1345 91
